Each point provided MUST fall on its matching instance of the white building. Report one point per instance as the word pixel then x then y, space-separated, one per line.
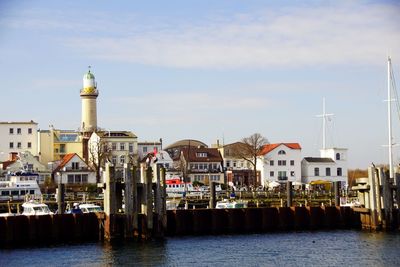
pixel 121 146
pixel 73 170
pixel 331 166
pixel 280 162
pixel 18 137
pixel 145 148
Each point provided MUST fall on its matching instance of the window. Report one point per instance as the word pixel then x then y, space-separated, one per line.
pixel 29 130
pixel 70 178
pixel 18 130
pixel 339 171
pixel 271 162
pixel 292 163
pixel 121 146
pixel 78 178
pixel 122 159
pixel 29 145
pixel 228 163
pixel 75 165
pixel 234 164
pixel 281 152
pixel 114 146
pixel 19 145
pixel 316 171
pixel 11 130
pixel 281 162
pixel 271 173
pixel 337 156
pixel 145 149
pixel 201 154
pixel 114 160
pixel 84 178
pixel 328 171
pixel 130 147
pixel 11 145
pixel 282 175
pixel 292 173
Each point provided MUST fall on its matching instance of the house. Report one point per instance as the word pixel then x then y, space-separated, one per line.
pixel 331 166
pixel 148 147
pixel 120 147
pixel 73 171
pixel 202 164
pixel 280 162
pixel 239 171
pixel 26 162
pixel 18 137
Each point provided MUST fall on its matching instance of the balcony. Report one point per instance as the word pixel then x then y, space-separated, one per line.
pixel 80 169
pixel 282 178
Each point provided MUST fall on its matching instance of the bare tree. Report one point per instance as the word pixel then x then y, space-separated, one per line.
pixel 250 148
pixel 99 151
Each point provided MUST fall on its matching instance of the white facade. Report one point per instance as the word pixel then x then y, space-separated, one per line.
pixel 18 137
pixel 165 159
pixel 121 145
pixel 331 166
pixel 74 170
pixel 280 162
pixel 147 147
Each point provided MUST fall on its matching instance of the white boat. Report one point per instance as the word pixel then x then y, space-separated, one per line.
pixel 20 186
pixel 88 208
pixel 176 188
pixel 227 204
pixel 35 208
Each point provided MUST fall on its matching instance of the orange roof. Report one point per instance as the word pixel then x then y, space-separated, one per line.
pixel 268 148
pixel 65 160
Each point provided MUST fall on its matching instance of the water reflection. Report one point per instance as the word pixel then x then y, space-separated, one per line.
pixel 329 248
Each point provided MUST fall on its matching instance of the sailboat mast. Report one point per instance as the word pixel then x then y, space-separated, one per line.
pixel 390 145
pixel 323 124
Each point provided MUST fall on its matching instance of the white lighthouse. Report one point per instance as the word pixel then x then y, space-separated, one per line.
pixel 89 96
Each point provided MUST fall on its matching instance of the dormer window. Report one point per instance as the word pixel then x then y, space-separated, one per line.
pixel 337 156
pixel 201 154
pixel 281 152
pixel 75 165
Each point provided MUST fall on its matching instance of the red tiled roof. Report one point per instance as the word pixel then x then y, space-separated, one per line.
pixel 7 163
pixel 268 148
pixel 65 160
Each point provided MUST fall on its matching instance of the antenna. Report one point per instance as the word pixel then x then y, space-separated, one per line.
pixel 324 116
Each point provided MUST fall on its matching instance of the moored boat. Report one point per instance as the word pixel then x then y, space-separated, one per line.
pixel 35 208
pixel 227 204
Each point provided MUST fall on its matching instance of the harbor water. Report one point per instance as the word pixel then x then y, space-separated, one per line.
pixel 322 248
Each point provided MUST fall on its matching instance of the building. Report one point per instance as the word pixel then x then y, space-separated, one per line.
pixel 26 162
pixel 18 137
pixel 280 162
pixel 73 171
pixel 174 150
pixel 55 144
pixel 331 166
pixel 119 147
pixel 148 147
pixel 202 164
pixel 239 172
pixel 89 94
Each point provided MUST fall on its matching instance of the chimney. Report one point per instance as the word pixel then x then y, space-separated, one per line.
pixel 13 156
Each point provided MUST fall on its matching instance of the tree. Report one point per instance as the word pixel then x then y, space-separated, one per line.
pixel 250 148
pixel 99 151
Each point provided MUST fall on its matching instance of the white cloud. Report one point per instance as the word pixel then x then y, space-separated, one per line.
pixel 361 34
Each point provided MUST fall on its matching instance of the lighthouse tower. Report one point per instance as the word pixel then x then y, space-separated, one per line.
pixel 89 96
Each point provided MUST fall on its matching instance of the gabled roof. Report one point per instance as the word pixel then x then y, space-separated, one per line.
pixel 192 154
pixel 66 159
pixel 269 147
pixel 319 160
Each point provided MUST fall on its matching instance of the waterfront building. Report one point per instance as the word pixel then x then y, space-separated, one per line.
pixel 54 144
pixel 26 162
pixel 239 172
pixel 280 162
pixel 145 148
pixel 330 166
pixel 73 171
pixel 119 147
pixel 174 149
pixel 202 164
pixel 18 137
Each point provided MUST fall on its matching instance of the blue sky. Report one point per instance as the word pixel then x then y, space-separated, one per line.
pixel 207 70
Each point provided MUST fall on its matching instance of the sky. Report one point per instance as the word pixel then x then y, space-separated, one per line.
pixel 208 70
